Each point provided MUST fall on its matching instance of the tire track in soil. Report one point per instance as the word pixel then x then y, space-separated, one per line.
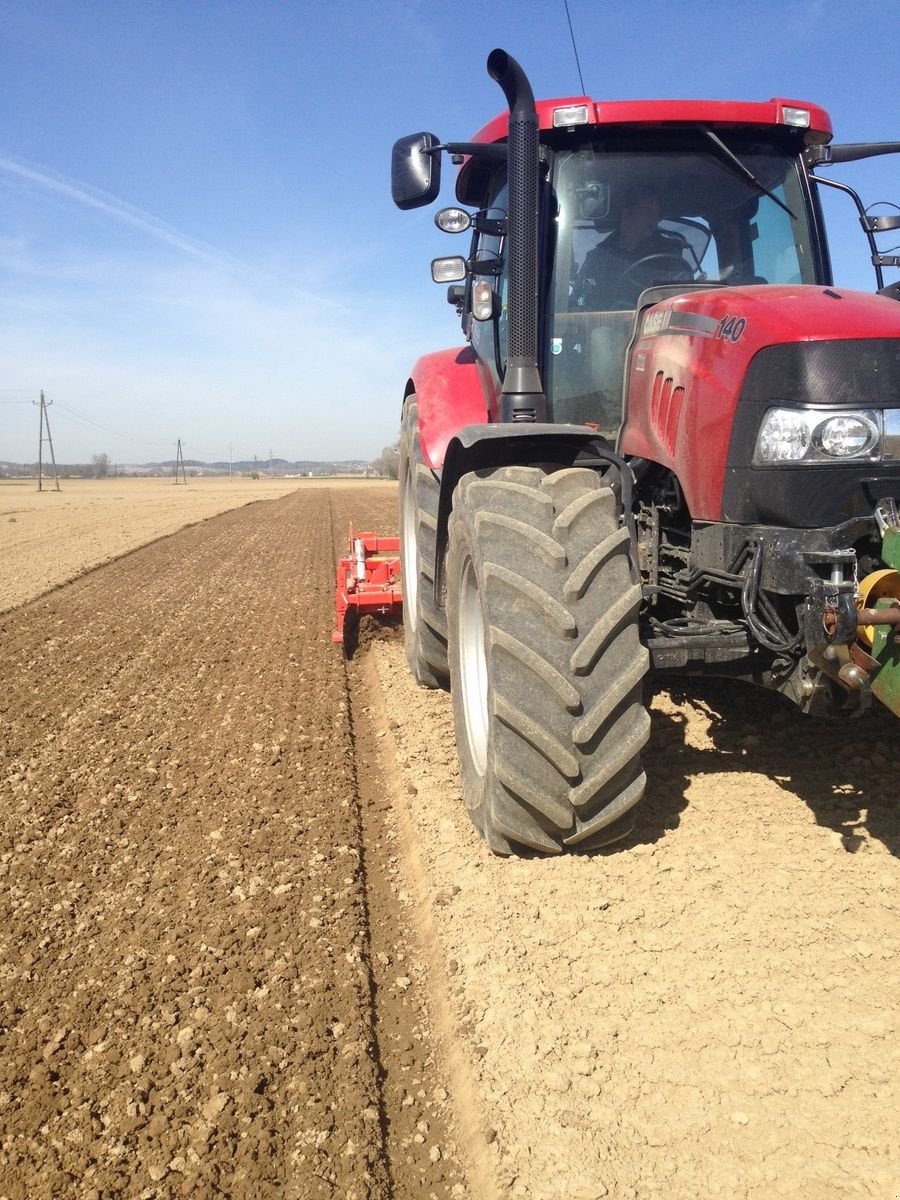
pixel 185 1000
pixel 420 1094
pixel 418 1113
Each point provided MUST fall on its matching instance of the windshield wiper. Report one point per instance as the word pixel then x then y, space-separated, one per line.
pixel 744 171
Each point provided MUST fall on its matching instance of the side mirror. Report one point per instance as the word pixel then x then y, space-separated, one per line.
pixel 415 170
pixel 592 200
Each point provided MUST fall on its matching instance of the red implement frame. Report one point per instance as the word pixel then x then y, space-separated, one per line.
pixel 368 579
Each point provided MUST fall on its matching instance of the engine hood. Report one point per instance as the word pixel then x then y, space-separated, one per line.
pixel 773 314
pixel 695 352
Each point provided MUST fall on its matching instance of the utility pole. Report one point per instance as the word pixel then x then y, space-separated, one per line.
pixel 230 458
pixel 45 424
pixel 179 462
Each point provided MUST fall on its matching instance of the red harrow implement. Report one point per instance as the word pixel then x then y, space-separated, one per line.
pixel 368 580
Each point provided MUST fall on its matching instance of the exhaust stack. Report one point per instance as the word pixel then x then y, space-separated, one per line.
pixel 523 397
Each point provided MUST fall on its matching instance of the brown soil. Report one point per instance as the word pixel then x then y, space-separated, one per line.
pixel 49 537
pixel 250 945
pixel 707 1010
pixel 188 967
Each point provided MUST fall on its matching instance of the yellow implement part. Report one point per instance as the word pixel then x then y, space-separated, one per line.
pixel 878 585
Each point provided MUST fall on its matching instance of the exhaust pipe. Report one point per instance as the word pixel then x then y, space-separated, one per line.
pixel 523 396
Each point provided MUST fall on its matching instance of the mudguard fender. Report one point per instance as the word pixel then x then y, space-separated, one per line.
pixel 450 396
pixel 528 443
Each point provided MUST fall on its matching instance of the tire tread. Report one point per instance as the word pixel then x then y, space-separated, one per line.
pixel 564 660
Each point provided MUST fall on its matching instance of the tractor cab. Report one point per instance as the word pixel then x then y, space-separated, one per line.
pixel 633 196
pixel 625 208
pixel 668 209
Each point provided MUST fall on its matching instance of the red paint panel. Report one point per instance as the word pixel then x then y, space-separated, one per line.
pixel 670 430
pixel 690 434
pixel 450 395
pixel 711 112
pixel 661 112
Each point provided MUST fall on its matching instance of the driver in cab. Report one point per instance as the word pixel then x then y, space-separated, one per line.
pixel 634 256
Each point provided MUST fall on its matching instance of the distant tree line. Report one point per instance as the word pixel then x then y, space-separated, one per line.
pixel 388 462
pixel 100 466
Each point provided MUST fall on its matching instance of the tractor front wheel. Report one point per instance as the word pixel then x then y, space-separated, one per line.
pixel 545 660
pixel 424 623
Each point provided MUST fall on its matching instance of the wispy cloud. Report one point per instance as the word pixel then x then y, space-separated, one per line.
pixel 195 342
pixel 119 210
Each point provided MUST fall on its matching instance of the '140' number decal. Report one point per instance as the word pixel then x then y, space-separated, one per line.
pixel 731 329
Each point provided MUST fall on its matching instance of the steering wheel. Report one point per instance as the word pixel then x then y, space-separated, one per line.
pixel 637 275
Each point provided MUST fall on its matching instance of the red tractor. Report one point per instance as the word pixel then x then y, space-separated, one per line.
pixel 673 447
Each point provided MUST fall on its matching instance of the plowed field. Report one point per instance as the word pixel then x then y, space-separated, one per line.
pixel 250 945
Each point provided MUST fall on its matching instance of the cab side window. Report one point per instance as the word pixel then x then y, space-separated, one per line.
pixel 489 338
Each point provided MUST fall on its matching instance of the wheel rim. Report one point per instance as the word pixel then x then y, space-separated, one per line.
pixel 473 667
pixel 410 557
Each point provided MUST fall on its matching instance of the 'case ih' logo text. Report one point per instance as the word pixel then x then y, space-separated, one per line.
pixel 656 322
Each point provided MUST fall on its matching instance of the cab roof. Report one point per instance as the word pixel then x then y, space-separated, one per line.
pixel 810 123
pixel 719 113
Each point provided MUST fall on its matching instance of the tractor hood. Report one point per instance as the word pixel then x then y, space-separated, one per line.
pixel 707 366
pixel 787 313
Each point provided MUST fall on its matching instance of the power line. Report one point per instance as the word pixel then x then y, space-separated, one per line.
pixel 45 424
pixel 132 437
pixel 76 414
pixel 575 48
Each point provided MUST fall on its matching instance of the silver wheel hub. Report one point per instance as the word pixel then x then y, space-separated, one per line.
pixel 409 555
pixel 473 667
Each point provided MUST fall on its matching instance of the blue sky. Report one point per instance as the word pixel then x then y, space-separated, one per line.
pixel 196 234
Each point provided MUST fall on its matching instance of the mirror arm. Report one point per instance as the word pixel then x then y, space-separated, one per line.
pixel 863 220
pixel 475 149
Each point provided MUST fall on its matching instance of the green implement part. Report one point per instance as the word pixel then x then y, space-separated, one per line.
pixel 886 642
pixel 890 547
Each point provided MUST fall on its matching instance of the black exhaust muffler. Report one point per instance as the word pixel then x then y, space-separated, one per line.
pixel 523 397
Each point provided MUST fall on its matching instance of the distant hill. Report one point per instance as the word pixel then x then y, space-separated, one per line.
pixel 277 467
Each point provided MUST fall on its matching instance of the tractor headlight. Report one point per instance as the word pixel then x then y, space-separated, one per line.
pixel 448 270
pixel 784 436
pixel 806 436
pixel 482 300
pixel 846 436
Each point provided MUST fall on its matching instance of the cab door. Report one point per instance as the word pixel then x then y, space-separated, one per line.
pixel 488 270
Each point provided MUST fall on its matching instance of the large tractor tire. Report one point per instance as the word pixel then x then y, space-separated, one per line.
pixel 424 623
pixel 545 660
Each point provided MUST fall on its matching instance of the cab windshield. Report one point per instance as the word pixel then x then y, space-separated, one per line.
pixel 631 216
